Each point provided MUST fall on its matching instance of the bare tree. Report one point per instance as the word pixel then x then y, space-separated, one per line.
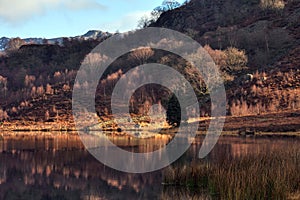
pixel 170 4
pixel 3 83
pixel 155 14
pixel 3 115
pixel 47 115
pixel 66 87
pixel 40 90
pixel 49 89
pixel 141 55
pixel 144 22
pixel 29 80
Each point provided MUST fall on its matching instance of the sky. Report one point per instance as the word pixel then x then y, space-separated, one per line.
pixel 64 18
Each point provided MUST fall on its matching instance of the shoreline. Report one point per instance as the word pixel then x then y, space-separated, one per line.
pixel 272 124
pixel 30 132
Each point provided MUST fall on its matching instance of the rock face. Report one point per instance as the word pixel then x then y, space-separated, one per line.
pixel 267 34
pixel 204 16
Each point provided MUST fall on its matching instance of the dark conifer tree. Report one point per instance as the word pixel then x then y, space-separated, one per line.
pixel 174 115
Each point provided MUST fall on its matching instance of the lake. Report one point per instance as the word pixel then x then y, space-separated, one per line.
pixel 57 166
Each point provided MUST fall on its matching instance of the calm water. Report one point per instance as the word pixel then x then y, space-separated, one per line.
pixel 57 166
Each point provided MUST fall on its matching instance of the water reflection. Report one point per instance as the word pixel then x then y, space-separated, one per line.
pixel 57 166
pixel 140 142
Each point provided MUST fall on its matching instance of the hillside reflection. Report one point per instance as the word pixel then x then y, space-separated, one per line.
pixel 57 166
pixel 60 168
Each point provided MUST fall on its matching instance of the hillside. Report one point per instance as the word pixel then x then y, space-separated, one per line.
pixel 256 45
pixel 269 33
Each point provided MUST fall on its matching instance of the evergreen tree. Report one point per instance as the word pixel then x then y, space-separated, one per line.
pixel 174 115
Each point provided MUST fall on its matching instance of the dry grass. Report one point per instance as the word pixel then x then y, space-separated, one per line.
pixel 272 175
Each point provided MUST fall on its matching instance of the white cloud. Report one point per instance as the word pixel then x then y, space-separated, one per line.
pixel 126 23
pixel 14 11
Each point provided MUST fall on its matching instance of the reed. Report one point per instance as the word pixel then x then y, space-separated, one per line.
pixel 268 175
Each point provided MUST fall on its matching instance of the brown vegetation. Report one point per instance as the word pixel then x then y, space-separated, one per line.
pixel 268 175
pixel 257 53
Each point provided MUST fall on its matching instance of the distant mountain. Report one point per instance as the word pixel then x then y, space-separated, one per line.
pixel 92 34
pixel 3 42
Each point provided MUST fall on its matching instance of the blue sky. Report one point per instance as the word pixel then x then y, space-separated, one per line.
pixel 56 18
